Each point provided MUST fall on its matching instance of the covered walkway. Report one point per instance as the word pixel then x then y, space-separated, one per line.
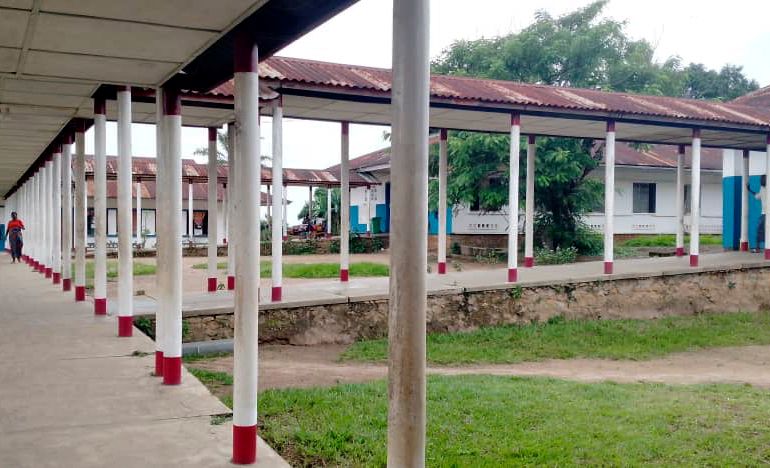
pixel 73 395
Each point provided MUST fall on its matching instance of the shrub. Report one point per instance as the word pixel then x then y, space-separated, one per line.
pixel 545 256
pixel 588 242
pixel 455 249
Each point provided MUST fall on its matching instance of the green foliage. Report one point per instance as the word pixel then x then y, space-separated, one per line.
pixel 304 247
pixel 579 49
pixel 588 242
pixel 558 256
pixel 455 248
pixel 566 339
pixel 145 325
pixel 208 377
pixel 490 421
pixel 669 240
pixel 316 270
pixel 359 245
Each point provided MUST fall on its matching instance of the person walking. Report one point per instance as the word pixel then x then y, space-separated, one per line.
pixel 15 240
pixel 760 195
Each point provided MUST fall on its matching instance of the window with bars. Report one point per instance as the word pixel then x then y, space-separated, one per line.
pixel 644 197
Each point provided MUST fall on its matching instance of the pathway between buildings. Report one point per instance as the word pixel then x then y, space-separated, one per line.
pixel 73 394
pixel 307 366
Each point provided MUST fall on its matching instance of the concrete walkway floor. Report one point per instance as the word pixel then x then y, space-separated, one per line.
pixel 332 291
pixel 72 394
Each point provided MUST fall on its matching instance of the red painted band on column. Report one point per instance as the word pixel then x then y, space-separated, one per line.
pixel 285 238
pixel 693 260
pixel 172 370
pixel 513 275
pixel 344 275
pixel 245 53
pixel 443 134
pixel 345 129
pixel 158 363
pixel 276 294
pixel 531 139
pixel 767 139
pixel 680 251
pixel 212 134
pixel 681 149
pixel 529 262
pixel 516 120
pixel 172 103
pixel 66 284
pixel 80 293
pixel 608 267
pixel 610 126
pixel 100 106
pixel 696 132
pixel 244 444
pixel 56 278
pixel 49 273
pixel 125 326
pixel 212 285
pixel 767 254
pixel 744 247
pixel 100 306
pixel 441 268
pixel 230 283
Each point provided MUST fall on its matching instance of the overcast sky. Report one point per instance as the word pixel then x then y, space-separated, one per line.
pixel 712 33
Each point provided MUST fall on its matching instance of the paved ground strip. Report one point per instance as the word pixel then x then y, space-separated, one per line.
pixel 73 394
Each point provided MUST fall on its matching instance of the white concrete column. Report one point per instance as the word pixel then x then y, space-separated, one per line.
pixel 767 198
pixel 213 185
pixel 513 199
pixel 680 202
pixel 40 220
pixel 609 198
pixel 162 233
pixel 695 199
pixel 442 182
pixel 278 214
pixel 190 233
pixel 48 208
pixel 138 189
pixel 309 207
pixel 231 178
pixel 35 230
pixel 56 234
pixel 328 212
pixel 172 325
pixel 247 196
pixel 408 259
pixel 225 212
pixel 285 213
pixel 66 197
pixel 125 215
pixel 80 213
pixel 529 205
pixel 744 242
pixel 345 204
pixel 100 207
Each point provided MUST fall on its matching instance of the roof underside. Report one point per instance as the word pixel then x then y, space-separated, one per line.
pixel 54 54
pixel 327 91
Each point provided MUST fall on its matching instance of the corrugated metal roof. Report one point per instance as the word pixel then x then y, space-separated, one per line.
pixel 469 90
pixel 198 173
pixel 758 98
pixel 149 191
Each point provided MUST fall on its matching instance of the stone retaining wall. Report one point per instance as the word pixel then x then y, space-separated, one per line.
pixel 717 290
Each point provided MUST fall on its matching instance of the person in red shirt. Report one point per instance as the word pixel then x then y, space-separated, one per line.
pixel 15 226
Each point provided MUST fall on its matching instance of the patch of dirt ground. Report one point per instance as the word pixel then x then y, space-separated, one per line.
pixel 283 366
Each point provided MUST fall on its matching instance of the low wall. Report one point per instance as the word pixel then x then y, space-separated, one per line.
pixel 649 296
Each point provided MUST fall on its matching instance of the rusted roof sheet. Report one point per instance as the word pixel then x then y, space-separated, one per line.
pixel 149 191
pixel 625 155
pixel 144 167
pixel 469 90
pixel 758 98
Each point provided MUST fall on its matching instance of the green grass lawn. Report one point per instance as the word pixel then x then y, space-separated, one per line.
pixel 669 240
pixel 480 421
pixel 562 339
pixel 314 270
pixel 140 269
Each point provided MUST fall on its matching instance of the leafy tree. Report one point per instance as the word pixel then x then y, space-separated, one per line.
pixel 320 207
pixel 579 49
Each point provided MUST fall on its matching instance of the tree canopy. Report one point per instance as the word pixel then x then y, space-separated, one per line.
pixel 579 49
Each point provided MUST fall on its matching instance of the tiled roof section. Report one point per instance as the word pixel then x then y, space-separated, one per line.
pixel 665 156
pixel 149 191
pixel 198 173
pixel 758 98
pixel 625 155
pixel 375 158
pixel 469 90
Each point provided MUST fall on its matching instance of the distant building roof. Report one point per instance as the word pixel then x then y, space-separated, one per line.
pixel 758 98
